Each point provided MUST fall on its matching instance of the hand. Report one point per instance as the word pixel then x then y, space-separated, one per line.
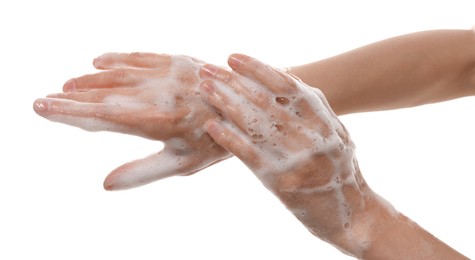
pixel 149 95
pixel 287 134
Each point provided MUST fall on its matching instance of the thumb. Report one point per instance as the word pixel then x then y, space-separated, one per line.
pixel 161 165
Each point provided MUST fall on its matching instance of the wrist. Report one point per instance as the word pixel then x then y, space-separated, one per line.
pixel 375 217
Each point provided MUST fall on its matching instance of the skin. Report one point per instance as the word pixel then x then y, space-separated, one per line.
pixel 404 71
pixel 302 152
pixel 129 97
pixel 418 69
pixel 313 169
pixel 447 74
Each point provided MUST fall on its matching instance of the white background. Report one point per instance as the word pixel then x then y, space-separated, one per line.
pixel 52 205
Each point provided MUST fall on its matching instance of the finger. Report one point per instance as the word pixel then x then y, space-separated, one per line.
pixel 142 171
pixel 269 77
pixel 95 95
pixel 234 141
pixel 162 165
pixel 146 60
pixel 108 79
pixel 106 117
pixel 88 116
pixel 229 107
pixel 240 86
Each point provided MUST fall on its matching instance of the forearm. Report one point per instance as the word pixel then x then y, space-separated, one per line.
pixel 394 236
pixel 404 71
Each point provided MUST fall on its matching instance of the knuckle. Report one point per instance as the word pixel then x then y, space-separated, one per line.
pixel 135 56
pixel 119 75
pixel 225 76
pixel 290 82
pixel 254 160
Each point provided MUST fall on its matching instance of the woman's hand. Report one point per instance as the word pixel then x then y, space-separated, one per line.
pixel 149 95
pixel 287 134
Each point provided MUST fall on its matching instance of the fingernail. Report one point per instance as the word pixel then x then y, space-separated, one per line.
pixel 96 62
pixel 207 86
pixel 40 106
pixel 209 70
pixel 236 60
pixel 69 86
pixel 99 61
pixel 213 128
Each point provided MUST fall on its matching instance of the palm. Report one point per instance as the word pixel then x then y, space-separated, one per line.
pixel 149 95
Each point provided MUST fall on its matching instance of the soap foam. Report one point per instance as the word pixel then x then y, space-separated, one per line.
pixel 175 159
pixel 132 103
pixel 269 126
pixel 92 124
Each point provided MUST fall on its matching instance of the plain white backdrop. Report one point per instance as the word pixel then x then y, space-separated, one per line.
pixel 52 205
